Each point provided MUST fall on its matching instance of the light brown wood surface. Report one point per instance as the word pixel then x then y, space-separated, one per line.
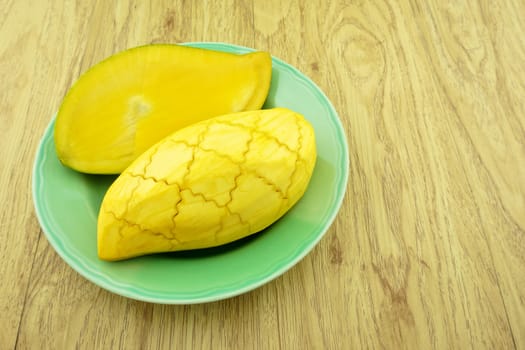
pixel 428 250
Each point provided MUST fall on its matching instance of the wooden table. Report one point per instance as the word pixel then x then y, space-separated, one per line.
pixel 428 250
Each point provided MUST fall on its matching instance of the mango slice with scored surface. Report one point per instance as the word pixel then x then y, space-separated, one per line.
pixel 125 104
pixel 208 184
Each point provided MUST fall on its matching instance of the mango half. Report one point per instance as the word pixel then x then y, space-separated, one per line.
pixel 130 101
pixel 208 184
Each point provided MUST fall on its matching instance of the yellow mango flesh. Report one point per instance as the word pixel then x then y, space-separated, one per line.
pixel 130 101
pixel 208 184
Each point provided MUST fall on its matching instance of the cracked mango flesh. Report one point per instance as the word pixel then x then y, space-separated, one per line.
pixel 208 184
pixel 130 101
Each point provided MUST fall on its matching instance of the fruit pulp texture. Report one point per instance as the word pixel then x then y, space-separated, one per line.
pixel 130 101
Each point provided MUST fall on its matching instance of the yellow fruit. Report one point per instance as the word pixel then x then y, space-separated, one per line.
pixel 125 104
pixel 208 184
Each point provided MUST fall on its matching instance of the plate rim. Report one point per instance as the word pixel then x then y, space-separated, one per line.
pixel 118 288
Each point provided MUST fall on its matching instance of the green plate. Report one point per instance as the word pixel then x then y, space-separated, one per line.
pixel 67 205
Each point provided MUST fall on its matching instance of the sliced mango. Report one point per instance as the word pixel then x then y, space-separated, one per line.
pixel 208 184
pixel 130 101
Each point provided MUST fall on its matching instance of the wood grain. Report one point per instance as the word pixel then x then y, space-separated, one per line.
pixel 428 250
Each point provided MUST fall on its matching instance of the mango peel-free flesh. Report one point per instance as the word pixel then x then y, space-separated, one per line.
pixel 130 101
pixel 208 184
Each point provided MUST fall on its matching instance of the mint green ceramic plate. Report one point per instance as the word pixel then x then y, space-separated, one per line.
pixel 67 205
